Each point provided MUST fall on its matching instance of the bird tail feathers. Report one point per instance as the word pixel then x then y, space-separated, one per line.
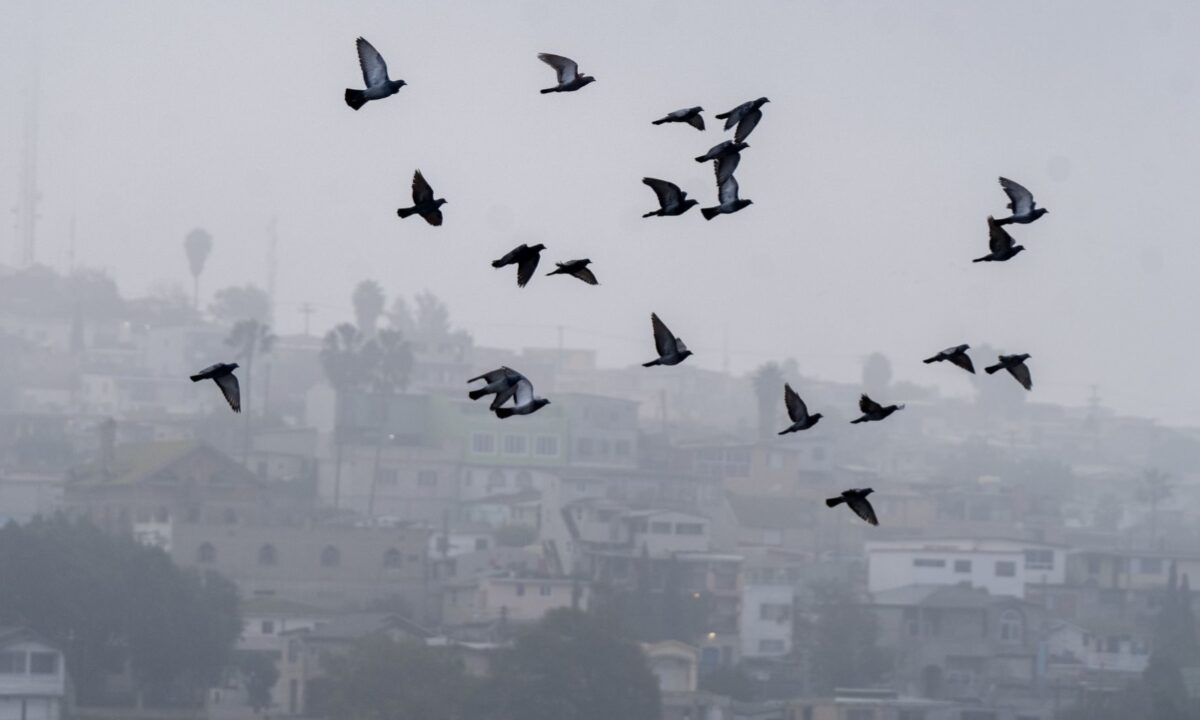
pixel 659 122
pixel 197 378
pixel 722 116
pixel 784 432
pixel 930 360
pixel 503 412
pixel 710 212
pixel 355 98
pixel 652 363
pixel 652 213
pixel 405 212
pixel 860 420
pixel 834 502
pixel 991 369
pixel 982 259
pixel 1004 221
pixel 548 90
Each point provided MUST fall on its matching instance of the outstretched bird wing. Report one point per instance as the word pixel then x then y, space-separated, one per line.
pixel 524 392
pixel 961 359
pixel 796 408
pixel 668 193
pixel 1020 200
pixel 664 339
pixel 374 69
pixel 728 193
pixel 510 257
pixel 999 241
pixel 696 121
pixel 500 373
pixel 421 192
pixel 231 391
pixel 565 67
pixel 206 373
pixel 527 267
pixel 586 275
pixel 862 508
pixel 747 125
pixel 724 167
pixel 1021 373
pixel 869 406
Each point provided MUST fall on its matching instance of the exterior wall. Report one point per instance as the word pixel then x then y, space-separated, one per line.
pixel 890 569
pixel 766 620
pixel 517 599
pixel 666 533
pixel 1116 652
pixel 30 695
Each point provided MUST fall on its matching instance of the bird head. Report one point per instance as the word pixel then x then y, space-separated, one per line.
pixel 233 366
pixel 1039 212
pixel 761 101
pixel 585 261
pixel 440 202
pixel 740 146
pixel 398 84
pixel 866 491
pixel 697 109
pixel 586 79
pixel 685 353
pixel 1018 249
pixel 689 203
pixel 1024 356
pixel 538 248
pixel 815 417
pixel 540 403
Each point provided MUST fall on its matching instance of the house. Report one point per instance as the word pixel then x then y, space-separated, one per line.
pixel 1002 567
pixel 765 621
pixel 1099 647
pixel 268 626
pixel 676 667
pixel 33 676
pixel 509 597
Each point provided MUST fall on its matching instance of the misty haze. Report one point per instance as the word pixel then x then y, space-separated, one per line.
pixel 599 360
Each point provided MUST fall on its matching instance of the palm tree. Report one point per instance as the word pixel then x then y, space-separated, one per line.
pixel 1156 486
pixel 389 362
pixel 197 245
pixel 368 302
pixel 249 339
pixel 433 317
pixel 342 361
pixel 768 389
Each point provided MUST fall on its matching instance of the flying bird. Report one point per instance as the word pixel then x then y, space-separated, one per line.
pixel 222 375
pixel 1021 203
pixel 524 401
pixel 727 154
pixel 1001 244
pixel 576 268
pixel 526 258
pixel 423 202
pixel 671 200
pixel 956 355
pixel 671 350
pixel 495 381
pixel 1015 365
pixel 727 197
pixel 375 75
pixel 569 77
pixel 856 500
pixel 745 116
pixel 797 411
pixel 872 411
pixel 691 116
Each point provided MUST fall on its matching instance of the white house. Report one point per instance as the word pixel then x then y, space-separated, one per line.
pixel 765 623
pixel 1099 648
pixel 33 677
pixel 516 599
pixel 1002 567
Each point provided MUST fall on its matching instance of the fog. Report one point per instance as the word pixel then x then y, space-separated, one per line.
pixel 872 174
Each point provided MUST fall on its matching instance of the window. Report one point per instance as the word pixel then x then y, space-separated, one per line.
pixel 1012 627
pixel 267 627
pixel 1150 566
pixel 544 591
pixel 779 612
pixel 495 481
pixel 689 528
pixel 1039 559
pixel 583 447
pixel 427 478
pixel 483 443
pixel 546 446
pixel 43 663
pixel 771 646
pixel 1006 568
pixel 929 563
pixel 660 528
pixel 962 566
pixel 268 555
pixel 331 556
pixel 12 663
pixel 516 445
pixel 206 554
pixel 520 589
pixel 392 559
pixel 389 477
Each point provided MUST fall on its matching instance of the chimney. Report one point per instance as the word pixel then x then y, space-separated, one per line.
pixel 108 441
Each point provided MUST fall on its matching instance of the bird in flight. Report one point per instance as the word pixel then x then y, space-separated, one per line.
pixel 222 375
pixel 727 155
pixel 856 500
pixel 691 116
pixel 375 75
pixel 728 201
pixel 423 202
pixel 671 200
pixel 526 258
pixel 576 268
pixel 956 355
pixel 495 381
pixel 524 401
pixel 671 350
pixel 873 411
pixel 1015 365
pixel 569 77
pixel 745 116
pixel 1001 244
pixel 1021 203
pixel 797 411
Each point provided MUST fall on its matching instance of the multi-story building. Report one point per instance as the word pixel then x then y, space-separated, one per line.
pixel 1002 567
pixel 33 676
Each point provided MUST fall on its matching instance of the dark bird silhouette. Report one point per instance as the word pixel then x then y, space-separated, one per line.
pixel 524 401
pixel 727 197
pixel 495 381
pixel 222 375
pixel 856 500
pixel 873 411
pixel 745 116
pixel 1021 203
pixel 957 355
pixel 526 258
pixel 671 200
pixel 691 116
pixel 576 268
pixel 423 202
pixel 798 412
pixel 569 77
pixel 1015 365
pixel 1001 244
pixel 375 75
pixel 727 154
pixel 671 350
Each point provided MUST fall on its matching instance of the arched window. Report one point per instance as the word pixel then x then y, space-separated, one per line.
pixel 331 556
pixel 206 554
pixel 1012 627
pixel 267 555
pixel 393 559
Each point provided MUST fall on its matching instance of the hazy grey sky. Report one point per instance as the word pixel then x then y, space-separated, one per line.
pixel 872 171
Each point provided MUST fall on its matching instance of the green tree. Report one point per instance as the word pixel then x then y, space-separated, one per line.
pixel 236 303
pixel 197 245
pixel 258 674
pixel 368 302
pixel 249 340
pixel 342 361
pixel 731 681
pixel 571 666
pixel 1176 646
pixel 433 317
pixel 768 392
pixel 400 317
pixel 388 362
pixel 841 640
